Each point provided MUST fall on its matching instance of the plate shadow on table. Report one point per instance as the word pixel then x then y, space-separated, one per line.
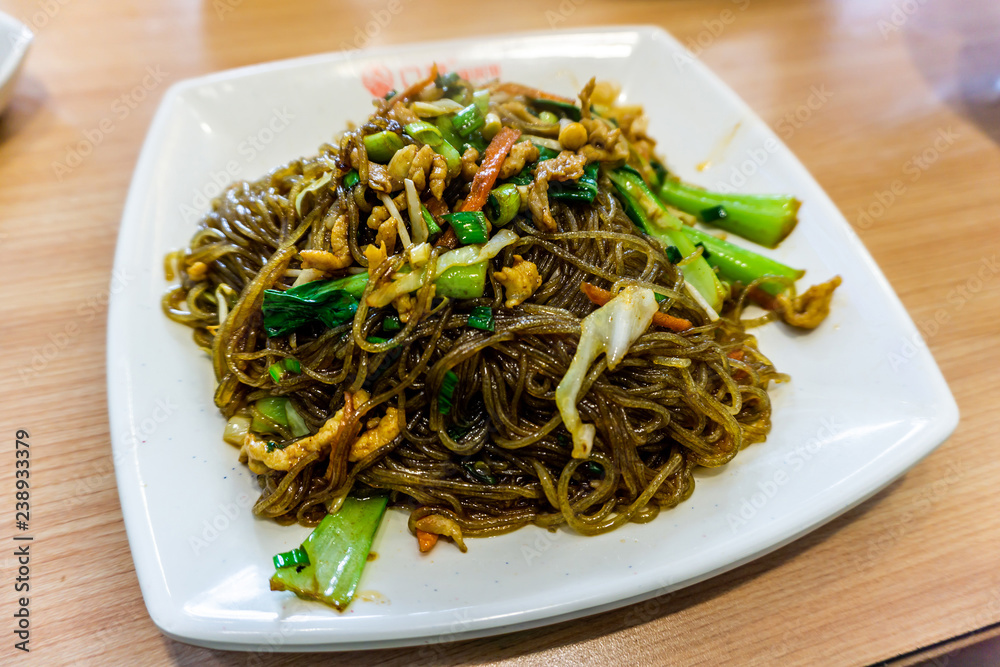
pixel 30 95
pixel 513 645
pixel 956 48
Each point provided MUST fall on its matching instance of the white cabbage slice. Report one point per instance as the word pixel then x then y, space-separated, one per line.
pixel 610 329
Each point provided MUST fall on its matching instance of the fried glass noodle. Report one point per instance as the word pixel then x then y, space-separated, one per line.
pixel 365 407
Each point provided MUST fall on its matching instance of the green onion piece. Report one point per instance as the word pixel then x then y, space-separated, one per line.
pixel 447 129
pixel 381 146
pixel 295 421
pixel 763 219
pixel 592 468
pixel 548 118
pixel 337 550
pixel 481 98
pixel 391 324
pixel 293 365
pixel 469 226
pixel 468 120
pixel 739 264
pixel 447 392
pixel 276 371
pixel 425 133
pixel 433 229
pixel 462 282
pixel 571 111
pixel 481 317
pixel 296 556
pixel 503 204
pixel 480 471
pixel 377 340
pixel 451 157
pixel 351 178
pixel 674 255
pixel 391 94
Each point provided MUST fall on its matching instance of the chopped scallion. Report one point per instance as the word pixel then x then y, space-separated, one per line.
pixel 381 146
pixel 447 392
pixel 469 226
pixel 468 120
pixel 351 178
pixel 481 317
pixel 391 324
pixel 296 556
pixel 503 204
pixel 425 133
pixel 433 229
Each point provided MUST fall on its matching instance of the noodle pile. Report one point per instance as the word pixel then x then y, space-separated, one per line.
pixel 500 458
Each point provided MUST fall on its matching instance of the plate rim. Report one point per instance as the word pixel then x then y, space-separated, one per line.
pixel 169 618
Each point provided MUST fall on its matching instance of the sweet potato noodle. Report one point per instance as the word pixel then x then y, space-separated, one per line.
pixel 500 458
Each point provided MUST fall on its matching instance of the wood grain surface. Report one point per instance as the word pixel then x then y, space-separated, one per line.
pixel 914 566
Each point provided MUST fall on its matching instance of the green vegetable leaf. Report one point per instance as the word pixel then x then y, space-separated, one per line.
pixel 447 392
pixel 319 300
pixel 481 317
pixel 584 189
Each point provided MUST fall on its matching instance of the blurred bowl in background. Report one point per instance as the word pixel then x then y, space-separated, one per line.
pixel 15 38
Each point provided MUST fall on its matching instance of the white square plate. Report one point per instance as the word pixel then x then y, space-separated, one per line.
pixel 865 403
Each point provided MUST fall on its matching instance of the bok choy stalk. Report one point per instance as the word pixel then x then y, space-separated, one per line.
pixel 739 264
pixel 763 219
pixel 651 216
pixel 335 554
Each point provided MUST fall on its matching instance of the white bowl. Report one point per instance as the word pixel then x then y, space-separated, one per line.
pixel 15 40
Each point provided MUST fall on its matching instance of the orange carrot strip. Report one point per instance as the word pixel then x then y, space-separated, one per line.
pixel 736 354
pixel 493 159
pixel 412 90
pixel 602 296
pixel 426 540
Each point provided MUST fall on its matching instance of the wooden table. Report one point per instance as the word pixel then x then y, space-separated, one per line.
pixel 912 567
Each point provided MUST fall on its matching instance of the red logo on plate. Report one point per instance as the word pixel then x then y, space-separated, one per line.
pixel 378 80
